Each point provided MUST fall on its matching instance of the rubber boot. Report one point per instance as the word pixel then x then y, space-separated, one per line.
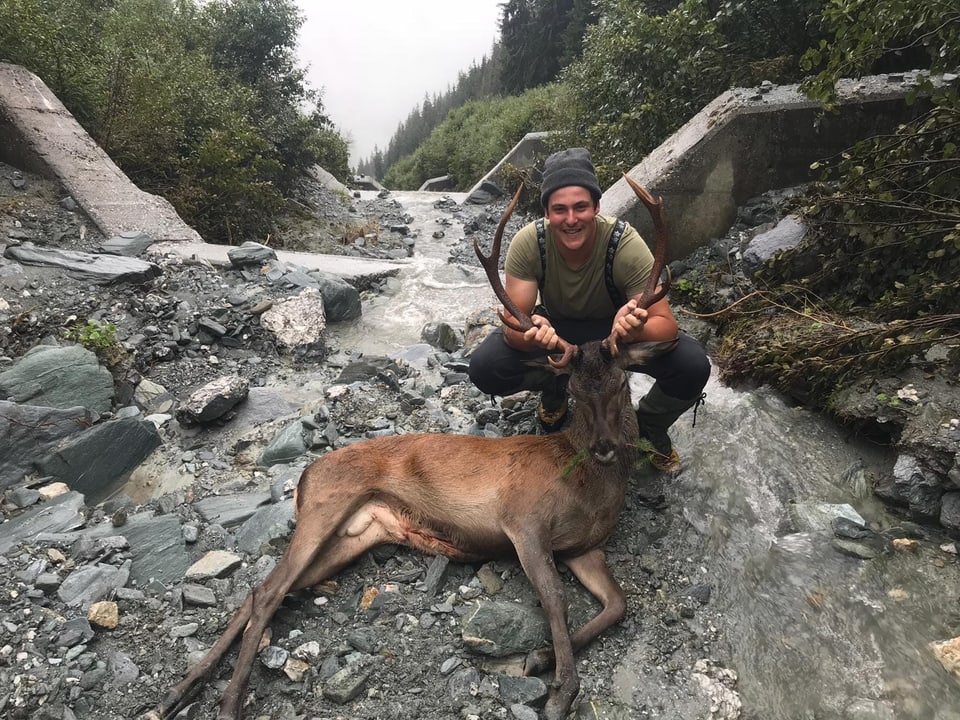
pixel 656 412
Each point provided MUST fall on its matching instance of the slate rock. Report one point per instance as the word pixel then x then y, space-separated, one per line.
pixel 230 510
pixel 99 460
pixel 501 628
pixel 99 268
pixel 62 514
pixel 251 254
pixel 285 447
pixel 266 524
pixel 213 400
pixel 341 300
pixel 59 376
pixel 28 431
pixel 130 243
pixel 441 335
pixel 786 235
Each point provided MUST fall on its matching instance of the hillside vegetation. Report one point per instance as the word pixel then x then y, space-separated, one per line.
pixel 201 102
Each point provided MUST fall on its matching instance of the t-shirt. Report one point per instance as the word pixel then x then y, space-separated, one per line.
pixel 581 294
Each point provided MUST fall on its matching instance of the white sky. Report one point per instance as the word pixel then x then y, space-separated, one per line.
pixel 375 60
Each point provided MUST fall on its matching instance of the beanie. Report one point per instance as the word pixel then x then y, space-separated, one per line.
pixel 569 167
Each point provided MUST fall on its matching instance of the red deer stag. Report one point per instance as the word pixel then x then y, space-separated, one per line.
pixel 471 498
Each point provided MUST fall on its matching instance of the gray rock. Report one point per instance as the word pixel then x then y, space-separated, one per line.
pixel 785 236
pixel 62 514
pixel 75 631
pixel 464 683
pixel 251 254
pixel 522 712
pixel 123 668
pixel 268 523
pixel 920 488
pixel 128 244
pixel 285 447
pixel 441 335
pixel 99 460
pixel 59 376
pixel 230 510
pixel 213 400
pixel 341 300
pixel 526 690
pixel 102 269
pixel 157 547
pixel 502 628
pixel 198 595
pixel 436 572
pixel 91 583
pixel 261 405
pixel 950 511
pixel 346 684
pixel 807 516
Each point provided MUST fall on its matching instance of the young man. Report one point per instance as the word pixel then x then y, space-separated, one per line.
pixel 583 296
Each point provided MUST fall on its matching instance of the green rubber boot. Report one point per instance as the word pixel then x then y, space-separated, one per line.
pixel 656 412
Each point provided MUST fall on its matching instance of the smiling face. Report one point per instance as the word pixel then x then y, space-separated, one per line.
pixel 571 211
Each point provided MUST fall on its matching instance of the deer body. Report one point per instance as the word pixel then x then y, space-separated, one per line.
pixel 470 498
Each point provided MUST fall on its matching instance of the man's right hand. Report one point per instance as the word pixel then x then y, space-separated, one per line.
pixel 542 334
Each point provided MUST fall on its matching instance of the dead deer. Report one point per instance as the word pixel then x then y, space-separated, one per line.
pixel 541 499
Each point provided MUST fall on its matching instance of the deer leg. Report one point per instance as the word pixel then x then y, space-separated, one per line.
pixel 306 544
pixel 537 561
pixel 179 696
pixel 592 572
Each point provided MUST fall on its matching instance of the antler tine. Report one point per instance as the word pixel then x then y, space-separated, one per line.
pixel 650 294
pixel 520 321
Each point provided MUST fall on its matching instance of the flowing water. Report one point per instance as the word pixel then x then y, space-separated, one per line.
pixel 428 289
pixel 812 632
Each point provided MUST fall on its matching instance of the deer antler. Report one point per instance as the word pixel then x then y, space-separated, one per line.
pixel 520 321
pixel 650 294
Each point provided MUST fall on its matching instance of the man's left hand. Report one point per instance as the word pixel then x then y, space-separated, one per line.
pixel 629 321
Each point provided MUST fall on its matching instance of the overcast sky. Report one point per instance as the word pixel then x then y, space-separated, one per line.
pixel 376 59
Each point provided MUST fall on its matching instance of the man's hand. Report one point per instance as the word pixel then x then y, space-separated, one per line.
pixel 629 322
pixel 542 333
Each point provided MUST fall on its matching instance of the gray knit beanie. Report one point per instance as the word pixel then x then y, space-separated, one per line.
pixel 569 167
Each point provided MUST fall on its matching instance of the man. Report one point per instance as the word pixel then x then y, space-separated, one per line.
pixel 582 297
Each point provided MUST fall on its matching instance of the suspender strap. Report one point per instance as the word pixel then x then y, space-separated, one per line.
pixel 616 297
pixel 542 244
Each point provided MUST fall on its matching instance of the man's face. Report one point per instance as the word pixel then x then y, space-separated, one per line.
pixel 571 211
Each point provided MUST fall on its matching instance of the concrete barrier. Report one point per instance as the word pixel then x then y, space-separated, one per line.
pixel 748 141
pixel 528 153
pixel 38 134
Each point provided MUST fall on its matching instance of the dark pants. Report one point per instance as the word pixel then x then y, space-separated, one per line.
pixel 498 369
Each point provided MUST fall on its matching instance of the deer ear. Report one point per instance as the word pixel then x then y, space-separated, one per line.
pixel 640 353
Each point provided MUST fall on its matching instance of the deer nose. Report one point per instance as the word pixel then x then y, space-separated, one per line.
pixel 604 452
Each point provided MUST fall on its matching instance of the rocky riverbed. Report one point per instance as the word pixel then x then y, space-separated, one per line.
pixel 147 489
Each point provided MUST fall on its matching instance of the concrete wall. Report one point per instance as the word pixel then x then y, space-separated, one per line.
pixel 744 143
pixel 38 134
pixel 529 153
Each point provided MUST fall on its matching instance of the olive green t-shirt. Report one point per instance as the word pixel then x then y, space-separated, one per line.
pixel 581 294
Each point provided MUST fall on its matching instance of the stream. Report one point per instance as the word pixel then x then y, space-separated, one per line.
pixel 811 631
